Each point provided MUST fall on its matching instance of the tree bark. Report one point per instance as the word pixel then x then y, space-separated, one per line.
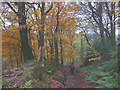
pixel 47 50
pixel 98 14
pixel 112 24
pixel 61 50
pixel 56 49
pixel 26 49
pixel 41 55
pixel 82 53
pixel 51 44
pixel 51 50
pixel 56 39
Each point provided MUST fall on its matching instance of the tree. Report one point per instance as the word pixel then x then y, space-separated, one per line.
pixel 97 13
pixel 25 47
pixel 41 55
pixel 82 52
pixel 56 39
pixel 111 15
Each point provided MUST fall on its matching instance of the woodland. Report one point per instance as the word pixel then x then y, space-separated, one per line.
pixel 41 39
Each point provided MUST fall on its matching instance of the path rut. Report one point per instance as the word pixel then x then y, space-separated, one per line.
pixel 76 80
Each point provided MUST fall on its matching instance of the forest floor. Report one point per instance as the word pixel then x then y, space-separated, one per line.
pixel 77 79
pixel 12 78
pixel 71 81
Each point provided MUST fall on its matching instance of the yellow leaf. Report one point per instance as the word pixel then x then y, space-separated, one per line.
pixel 37 13
pixel 98 58
pixel 15 85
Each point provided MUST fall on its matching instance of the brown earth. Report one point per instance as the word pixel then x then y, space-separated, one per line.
pixel 76 80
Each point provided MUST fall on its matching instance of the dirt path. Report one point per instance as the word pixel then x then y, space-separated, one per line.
pixel 76 80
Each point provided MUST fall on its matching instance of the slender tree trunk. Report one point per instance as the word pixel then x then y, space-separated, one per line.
pixel 118 26
pixel 102 36
pixel 21 57
pixel 114 18
pixel 101 26
pixel 56 39
pixel 56 49
pixel 82 53
pixel 86 37
pixel 51 50
pixel 61 50
pixel 119 15
pixel 112 24
pixel 51 45
pixel 29 37
pixel 112 27
pixel 26 49
pixel 47 50
pixel 41 55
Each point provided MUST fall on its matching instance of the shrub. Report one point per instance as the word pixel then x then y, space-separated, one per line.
pixel 49 68
pixel 103 49
pixel 37 72
pixel 105 75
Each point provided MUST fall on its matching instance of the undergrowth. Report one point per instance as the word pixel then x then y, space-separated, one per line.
pixel 40 74
pixel 106 74
pixel 37 76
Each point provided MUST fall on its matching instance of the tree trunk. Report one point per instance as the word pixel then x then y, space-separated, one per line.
pixel 47 49
pixel 41 55
pixel 82 53
pixel 51 45
pixel 101 26
pixel 51 50
pixel 112 24
pixel 119 15
pixel 56 49
pixel 56 39
pixel 61 50
pixel 26 49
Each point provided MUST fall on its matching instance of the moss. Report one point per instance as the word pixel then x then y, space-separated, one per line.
pixel 3 83
pixel 28 70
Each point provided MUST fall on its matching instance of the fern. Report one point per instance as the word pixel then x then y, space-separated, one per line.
pixel 105 75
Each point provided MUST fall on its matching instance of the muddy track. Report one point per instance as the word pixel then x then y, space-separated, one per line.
pixel 76 80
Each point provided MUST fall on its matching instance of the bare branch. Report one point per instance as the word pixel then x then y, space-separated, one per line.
pixel 108 11
pixel 90 6
pixel 49 8
pixel 12 8
pixel 12 37
pixel 86 36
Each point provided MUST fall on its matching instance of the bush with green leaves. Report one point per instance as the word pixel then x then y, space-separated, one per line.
pixel 49 68
pixel 105 75
pixel 102 49
pixel 37 72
